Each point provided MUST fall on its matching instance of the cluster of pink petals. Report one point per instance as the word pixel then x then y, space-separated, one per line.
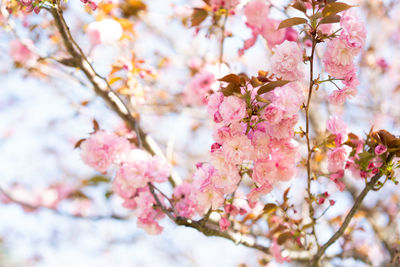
pixel 287 61
pixel 102 149
pixel 338 156
pixel 198 88
pixel 259 23
pixel 136 169
pixel 340 53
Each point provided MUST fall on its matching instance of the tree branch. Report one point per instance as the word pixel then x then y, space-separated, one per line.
pixel 102 87
pixel 347 220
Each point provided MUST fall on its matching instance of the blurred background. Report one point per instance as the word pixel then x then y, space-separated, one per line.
pixel 61 212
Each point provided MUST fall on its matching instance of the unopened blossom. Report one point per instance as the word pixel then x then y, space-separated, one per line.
pixel 224 224
pixel 287 61
pixel 106 31
pixel 256 12
pixel 232 109
pixel 196 91
pixel 102 148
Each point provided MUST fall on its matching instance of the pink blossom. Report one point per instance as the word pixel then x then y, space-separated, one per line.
pixel 338 58
pixel 256 12
pixel 289 98
pixel 354 31
pixel 237 149
pixel 287 61
pixel 337 178
pixel 224 224
pixel 337 159
pixel 129 178
pixel 20 52
pixel 148 215
pixel 102 148
pixel 291 35
pixel 232 109
pixel 271 34
pixel 106 31
pixel 227 180
pixel 214 101
pixel 337 127
pixel 284 129
pixel 157 169
pixel 185 197
pixel 276 252
pixel 338 97
pixel 380 149
pixel 273 113
pixel 196 91
pixel 257 192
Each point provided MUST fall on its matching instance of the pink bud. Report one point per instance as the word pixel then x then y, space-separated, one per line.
pixel 332 202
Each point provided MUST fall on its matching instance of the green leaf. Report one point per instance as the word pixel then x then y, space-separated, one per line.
pixel 271 86
pixel 334 8
pixel 299 5
pixel 330 19
pixel 230 78
pixel 198 16
pixel 291 22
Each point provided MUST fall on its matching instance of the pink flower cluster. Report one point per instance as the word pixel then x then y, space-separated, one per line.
pixel 256 13
pixel 337 157
pixel 287 61
pixel 264 151
pixel 340 53
pixel 198 88
pixel 136 169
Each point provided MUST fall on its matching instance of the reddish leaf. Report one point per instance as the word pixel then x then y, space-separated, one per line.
pixel 96 126
pixel 299 5
pixel 334 8
pixel 330 19
pixel 271 86
pixel 230 78
pixel 231 89
pixel 269 208
pixel 283 237
pixel 80 141
pixel 291 22
pixel 198 16
pixel 285 194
